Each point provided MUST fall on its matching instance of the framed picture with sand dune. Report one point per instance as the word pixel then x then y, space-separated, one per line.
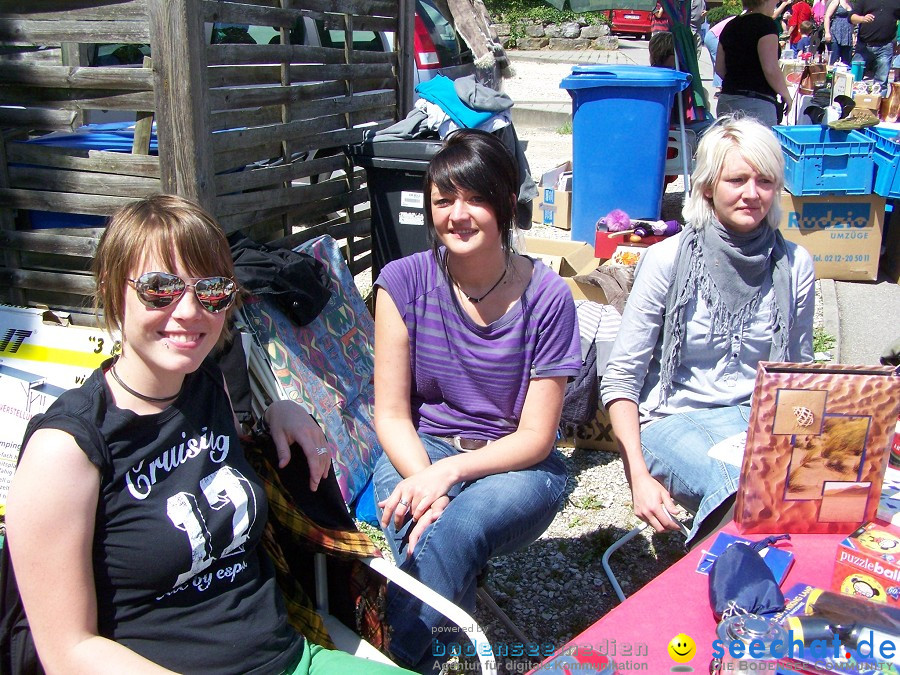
pixel 817 447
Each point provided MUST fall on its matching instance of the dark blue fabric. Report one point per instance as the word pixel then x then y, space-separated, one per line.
pixel 741 577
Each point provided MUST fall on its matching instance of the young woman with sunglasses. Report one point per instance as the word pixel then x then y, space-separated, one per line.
pixel 134 518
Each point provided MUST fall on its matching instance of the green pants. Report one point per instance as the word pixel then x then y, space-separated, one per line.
pixel 316 660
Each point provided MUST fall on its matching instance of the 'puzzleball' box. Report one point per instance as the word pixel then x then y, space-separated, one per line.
pixel 867 564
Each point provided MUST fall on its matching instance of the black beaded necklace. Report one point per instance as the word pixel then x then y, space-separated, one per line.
pixel 473 299
pixel 143 397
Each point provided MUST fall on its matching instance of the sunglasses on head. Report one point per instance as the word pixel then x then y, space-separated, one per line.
pixel 160 289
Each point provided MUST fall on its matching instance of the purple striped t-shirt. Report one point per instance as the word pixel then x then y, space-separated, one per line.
pixel 471 380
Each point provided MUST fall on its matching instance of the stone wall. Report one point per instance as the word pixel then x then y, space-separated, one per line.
pixel 559 36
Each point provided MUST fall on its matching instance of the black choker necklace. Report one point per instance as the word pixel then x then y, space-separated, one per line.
pixel 137 394
pixel 475 300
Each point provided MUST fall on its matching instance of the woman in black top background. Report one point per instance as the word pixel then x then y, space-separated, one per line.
pixel 747 62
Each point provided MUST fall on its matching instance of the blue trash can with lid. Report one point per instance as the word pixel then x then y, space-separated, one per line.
pixel 620 131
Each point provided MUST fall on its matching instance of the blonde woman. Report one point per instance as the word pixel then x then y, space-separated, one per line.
pixel 707 306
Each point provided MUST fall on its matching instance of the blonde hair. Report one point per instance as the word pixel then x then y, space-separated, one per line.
pixel 757 145
pixel 171 228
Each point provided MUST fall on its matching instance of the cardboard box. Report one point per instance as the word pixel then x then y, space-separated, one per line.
pixel 605 246
pixel 553 205
pixel 818 443
pixel 598 435
pixel 568 259
pixel 870 101
pixel 842 233
pixel 867 564
pixel 43 343
pixel 24 395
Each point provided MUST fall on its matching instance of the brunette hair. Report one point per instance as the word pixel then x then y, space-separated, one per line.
pixel 171 228
pixel 661 47
pixel 757 145
pixel 477 161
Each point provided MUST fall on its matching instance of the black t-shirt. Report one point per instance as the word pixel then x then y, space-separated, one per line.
pixel 883 29
pixel 179 575
pixel 740 40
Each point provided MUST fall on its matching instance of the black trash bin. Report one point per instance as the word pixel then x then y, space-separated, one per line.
pixel 395 171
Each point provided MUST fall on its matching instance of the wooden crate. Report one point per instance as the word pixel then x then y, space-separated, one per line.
pixel 247 130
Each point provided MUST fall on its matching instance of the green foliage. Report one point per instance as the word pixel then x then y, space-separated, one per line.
pixel 520 13
pixel 565 129
pixel 822 341
pixel 726 9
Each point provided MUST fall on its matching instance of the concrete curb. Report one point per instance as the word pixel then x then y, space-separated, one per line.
pixel 525 115
pixel 830 318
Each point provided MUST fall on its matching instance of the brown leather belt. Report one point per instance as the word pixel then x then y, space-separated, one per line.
pixel 464 444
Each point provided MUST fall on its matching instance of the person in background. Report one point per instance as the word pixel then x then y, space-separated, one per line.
pixel 782 14
pixel 134 519
pixel 800 12
pixel 474 344
pixel 707 306
pixel 877 25
pixel 818 11
pixel 803 44
pixel 747 62
pixel 659 20
pixel 661 50
pixel 698 18
pixel 839 31
pixel 711 41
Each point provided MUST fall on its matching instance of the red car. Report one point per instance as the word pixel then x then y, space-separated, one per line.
pixel 631 21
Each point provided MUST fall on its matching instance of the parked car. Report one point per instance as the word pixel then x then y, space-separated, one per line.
pixel 439 49
pixel 630 21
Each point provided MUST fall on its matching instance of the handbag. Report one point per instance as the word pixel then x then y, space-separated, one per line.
pixel 813 77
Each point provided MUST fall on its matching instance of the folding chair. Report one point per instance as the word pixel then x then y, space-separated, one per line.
pixel 615 546
pixel 327 367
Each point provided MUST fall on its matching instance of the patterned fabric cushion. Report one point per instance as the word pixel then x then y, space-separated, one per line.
pixel 327 366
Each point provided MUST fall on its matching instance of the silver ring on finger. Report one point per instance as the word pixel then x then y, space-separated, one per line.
pixel 404 503
pixel 321 451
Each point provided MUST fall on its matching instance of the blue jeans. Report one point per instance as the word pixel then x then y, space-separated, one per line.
pixel 761 110
pixel 712 46
pixel 843 53
pixel 675 449
pixel 487 517
pixel 878 59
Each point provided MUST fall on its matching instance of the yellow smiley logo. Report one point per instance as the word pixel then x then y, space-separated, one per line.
pixel 682 648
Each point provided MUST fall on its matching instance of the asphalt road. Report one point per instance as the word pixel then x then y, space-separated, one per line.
pixel 865 315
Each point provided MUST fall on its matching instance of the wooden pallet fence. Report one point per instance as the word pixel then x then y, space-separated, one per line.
pixel 253 130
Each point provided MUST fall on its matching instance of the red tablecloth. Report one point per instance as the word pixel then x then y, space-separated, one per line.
pixel 639 630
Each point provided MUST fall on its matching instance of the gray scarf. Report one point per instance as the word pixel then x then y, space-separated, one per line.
pixel 727 269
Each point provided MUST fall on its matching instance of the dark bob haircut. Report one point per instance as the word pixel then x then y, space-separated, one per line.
pixel 477 161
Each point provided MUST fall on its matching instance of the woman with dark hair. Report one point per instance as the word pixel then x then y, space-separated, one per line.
pixel 747 62
pixel 134 519
pixel 473 347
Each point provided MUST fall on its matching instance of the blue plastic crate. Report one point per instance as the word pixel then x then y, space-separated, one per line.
pixel 819 160
pixel 887 160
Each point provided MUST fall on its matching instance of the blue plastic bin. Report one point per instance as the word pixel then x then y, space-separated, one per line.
pixel 887 160
pixel 111 137
pixel 820 160
pixel 620 131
